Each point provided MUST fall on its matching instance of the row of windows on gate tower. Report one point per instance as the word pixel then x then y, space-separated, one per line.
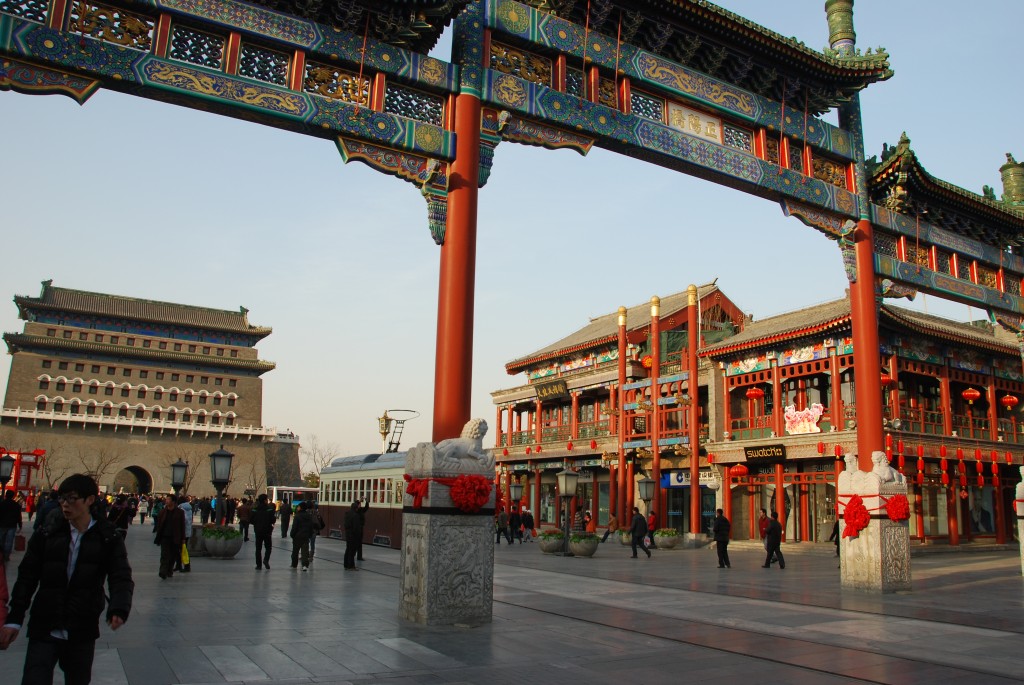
pixel 144 342
pixel 143 373
pixel 186 397
pixel 107 409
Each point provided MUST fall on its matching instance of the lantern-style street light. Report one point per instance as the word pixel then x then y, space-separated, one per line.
pixel 515 492
pixel 567 481
pixel 646 488
pixel 6 469
pixel 178 471
pixel 220 476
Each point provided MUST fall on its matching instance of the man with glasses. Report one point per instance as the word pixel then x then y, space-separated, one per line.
pixel 62 577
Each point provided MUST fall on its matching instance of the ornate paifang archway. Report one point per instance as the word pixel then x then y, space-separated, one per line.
pixel 679 83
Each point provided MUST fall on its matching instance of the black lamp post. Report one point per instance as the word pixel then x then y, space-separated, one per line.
pixel 6 469
pixel 646 488
pixel 515 492
pixel 178 471
pixel 567 480
pixel 220 476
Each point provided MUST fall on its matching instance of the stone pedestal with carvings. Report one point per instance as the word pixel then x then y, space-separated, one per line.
pixel 877 558
pixel 447 554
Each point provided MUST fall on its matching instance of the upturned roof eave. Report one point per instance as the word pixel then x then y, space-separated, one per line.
pixel 790 334
pixel 26 304
pixel 515 367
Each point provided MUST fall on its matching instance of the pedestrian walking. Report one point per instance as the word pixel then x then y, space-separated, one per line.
pixel 502 529
pixel 244 512
pixel 262 519
pixel 638 531
pixel 528 524
pixel 10 525
pixel 652 525
pixel 613 525
pixel 120 514
pixel 515 522
pixel 721 528
pixel 353 535
pixel 303 528
pixel 186 512
pixel 762 527
pixel 362 526
pixel 62 578
pixel 170 534
pixel 48 513
pixel 773 537
pixel 320 524
pixel 286 516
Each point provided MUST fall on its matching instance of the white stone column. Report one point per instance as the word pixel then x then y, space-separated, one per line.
pixel 447 554
pixel 878 557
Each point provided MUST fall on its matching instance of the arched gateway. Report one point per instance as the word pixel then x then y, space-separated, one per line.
pixel 679 83
pixel 133 479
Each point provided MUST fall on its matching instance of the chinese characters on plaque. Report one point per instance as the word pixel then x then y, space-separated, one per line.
pixel 694 122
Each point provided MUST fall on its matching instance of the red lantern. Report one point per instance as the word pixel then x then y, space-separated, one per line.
pixel 920 477
pixel 888 441
pixel 959 453
pixel 711 458
pixel 593 444
pixel 821 448
pixel 568 446
pixel 899 446
pixel 887 380
pixel 504 452
pixel 963 480
pixel 970 394
pixel 945 478
pixel 981 467
pixel 981 481
pixel 1009 401
pixel 977 453
pixel 995 469
pixel 538 449
pixel 920 451
pixel 738 471
pixel 754 393
pixel 647 361
pixel 902 460
pixel 839 451
pixel 529 449
pixel 942 451
pixel 995 456
pixel 944 464
pixel 1009 457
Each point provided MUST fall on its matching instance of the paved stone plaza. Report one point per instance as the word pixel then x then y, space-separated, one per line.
pixel 609 619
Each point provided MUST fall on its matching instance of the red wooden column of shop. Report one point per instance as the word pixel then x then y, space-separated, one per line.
pixel 625 505
pixel 693 389
pixel 654 425
pixel 453 367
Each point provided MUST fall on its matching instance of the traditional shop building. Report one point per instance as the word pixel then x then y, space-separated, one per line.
pixel 588 399
pixel 123 387
pixel 776 414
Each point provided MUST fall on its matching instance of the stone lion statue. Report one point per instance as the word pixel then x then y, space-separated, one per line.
pixel 880 467
pixel 458 453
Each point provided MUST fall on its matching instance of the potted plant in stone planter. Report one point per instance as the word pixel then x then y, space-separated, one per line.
pixel 625 537
pixel 666 538
pixel 550 540
pixel 222 542
pixel 583 544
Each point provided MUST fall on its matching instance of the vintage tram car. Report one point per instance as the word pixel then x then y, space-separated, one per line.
pixel 374 479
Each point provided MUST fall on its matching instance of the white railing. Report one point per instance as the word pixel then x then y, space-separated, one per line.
pixel 133 424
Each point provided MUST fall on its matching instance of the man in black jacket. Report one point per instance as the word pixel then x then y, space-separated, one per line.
pixel 721 530
pixel 773 539
pixel 64 569
pixel 353 535
pixel 304 527
pixel 262 520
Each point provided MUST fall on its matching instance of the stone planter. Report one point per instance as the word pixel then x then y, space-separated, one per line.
pixel 584 548
pixel 550 545
pixel 196 546
pixel 625 537
pixel 223 548
pixel 666 541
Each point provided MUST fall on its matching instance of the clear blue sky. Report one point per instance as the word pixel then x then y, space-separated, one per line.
pixel 132 197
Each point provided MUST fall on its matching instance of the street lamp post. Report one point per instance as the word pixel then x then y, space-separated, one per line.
pixel 220 476
pixel 515 492
pixel 567 480
pixel 646 488
pixel 6 469
pixel 178 471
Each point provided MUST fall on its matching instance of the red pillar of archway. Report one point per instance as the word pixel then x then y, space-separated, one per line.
pixel 866 364
pixel 453 367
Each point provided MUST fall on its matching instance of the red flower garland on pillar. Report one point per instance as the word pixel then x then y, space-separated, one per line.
pixel 470 493
pixel 898 508
pixel 856 517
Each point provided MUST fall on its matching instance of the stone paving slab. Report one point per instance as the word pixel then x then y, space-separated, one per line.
pixel 675 617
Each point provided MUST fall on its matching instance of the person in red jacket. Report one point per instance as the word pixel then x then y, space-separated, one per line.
pixel 652 525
